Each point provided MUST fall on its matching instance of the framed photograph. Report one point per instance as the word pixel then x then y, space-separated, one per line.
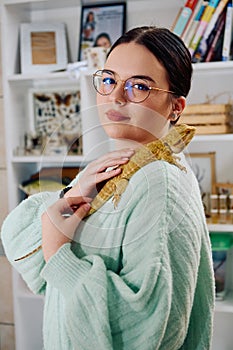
pixel 101 25
pixel 43 47
pixel 203 166
pixel 54 116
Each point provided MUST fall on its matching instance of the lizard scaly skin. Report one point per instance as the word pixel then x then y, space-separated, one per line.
pixel 163 149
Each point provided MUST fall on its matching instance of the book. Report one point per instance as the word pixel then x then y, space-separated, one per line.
pixel 205 19
pixel 227 34
pixel 184 16
pixel 191 19
pixel 187 38
pixel 203 49
pixel 217 40
pixel 206 40
pixel 176 19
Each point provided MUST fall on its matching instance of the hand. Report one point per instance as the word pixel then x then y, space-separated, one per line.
pixel 95 173
pixel 60 221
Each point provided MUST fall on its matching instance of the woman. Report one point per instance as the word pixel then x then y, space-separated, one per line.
pixel 138 276
pixel 89 27
pixel 103 40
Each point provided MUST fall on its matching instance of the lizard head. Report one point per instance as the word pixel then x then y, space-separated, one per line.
pixel 179 137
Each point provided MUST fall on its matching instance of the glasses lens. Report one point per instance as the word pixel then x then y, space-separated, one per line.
pixel 137 90
pixel 104 82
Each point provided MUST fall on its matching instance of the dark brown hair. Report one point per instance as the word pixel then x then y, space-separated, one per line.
pixel 169 49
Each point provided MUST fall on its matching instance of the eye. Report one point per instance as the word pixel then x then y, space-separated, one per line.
pixel 108 81
pixel 141 86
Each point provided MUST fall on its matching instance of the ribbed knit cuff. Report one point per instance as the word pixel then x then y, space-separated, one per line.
pixel 64 270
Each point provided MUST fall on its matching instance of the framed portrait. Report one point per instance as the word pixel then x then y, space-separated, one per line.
pixel 54 115
pixel 43 47
pixel 101 25
pixel 203 166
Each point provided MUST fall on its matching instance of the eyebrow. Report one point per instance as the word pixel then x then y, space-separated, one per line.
pixel 146 77
pixel 137 76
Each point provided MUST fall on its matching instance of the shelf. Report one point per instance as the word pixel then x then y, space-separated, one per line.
pixel 216 66
pixel 49 159
pixel 46 76
pixel 224 228
pixel 213 137
pixel 36 5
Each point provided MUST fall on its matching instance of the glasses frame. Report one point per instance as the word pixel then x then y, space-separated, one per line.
pixel 124 88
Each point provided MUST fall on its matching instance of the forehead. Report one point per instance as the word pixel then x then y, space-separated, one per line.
pixel 133 59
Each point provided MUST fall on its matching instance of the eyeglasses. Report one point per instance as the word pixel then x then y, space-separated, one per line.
pixel 137 89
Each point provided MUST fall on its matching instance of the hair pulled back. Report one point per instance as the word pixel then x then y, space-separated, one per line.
pixel 170 51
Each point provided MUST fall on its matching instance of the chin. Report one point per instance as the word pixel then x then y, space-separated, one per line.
pixel 116 131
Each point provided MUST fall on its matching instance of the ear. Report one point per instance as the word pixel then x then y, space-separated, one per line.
pixel 178 105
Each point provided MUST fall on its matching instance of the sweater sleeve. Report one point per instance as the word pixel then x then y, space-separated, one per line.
pixel 143 306
pixel 21 234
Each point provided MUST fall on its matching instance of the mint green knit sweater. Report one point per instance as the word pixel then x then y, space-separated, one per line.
pixel 138 277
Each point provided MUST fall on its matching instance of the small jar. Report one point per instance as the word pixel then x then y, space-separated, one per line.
pixel 223 201
pixel 214 216
pixel 223 216
pixel 231 202
pixel 230 216
pixel 214 201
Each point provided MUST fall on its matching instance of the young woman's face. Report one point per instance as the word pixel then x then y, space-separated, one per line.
pixel 141 122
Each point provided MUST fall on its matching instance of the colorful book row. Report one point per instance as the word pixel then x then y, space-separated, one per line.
pixel 206 29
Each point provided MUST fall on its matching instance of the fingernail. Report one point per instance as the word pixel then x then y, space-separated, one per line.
pixel 125 158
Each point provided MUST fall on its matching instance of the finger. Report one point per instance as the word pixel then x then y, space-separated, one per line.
pixel 112 163
pixel 64 206
pixel 110 159
pixel 74 204
pixel 107 175
pixel 78 215
pixel 126 152
pixel 70 201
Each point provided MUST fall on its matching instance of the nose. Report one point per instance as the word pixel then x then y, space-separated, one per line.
pixel 118 95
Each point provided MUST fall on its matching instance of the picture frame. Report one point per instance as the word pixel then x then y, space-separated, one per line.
pixel 203 166
pixel 55 117
pixel 103 21
pixel 43 47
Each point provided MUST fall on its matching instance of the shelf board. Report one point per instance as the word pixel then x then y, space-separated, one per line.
pixel 36 5
pixel 49 159
pixel 216 66
pixel 45 76
pixel 220 228
pixel 213 137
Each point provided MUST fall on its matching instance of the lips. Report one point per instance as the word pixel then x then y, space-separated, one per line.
pixel 116 116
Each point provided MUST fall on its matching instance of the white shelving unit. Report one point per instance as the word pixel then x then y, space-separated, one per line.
pixel 210 81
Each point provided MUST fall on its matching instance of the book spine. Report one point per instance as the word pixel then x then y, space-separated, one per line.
pixel 208 12
pixel 188 38
pixel 191 19
pixel 215 17
pixel 205 43
pixel 227 34
pixel 176 19
pixel 208 34
pixel 210 51
pixel 184 16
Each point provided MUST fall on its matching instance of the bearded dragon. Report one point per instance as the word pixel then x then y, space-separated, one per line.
pixel 162 149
